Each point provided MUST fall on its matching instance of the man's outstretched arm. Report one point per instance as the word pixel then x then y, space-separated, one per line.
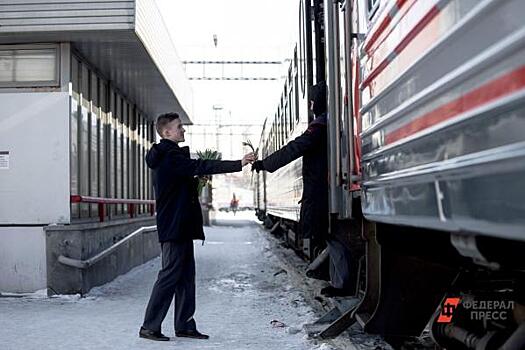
pixel 292 150
pixel 197 167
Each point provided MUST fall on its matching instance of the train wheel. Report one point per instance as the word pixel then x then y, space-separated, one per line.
pixel 439 330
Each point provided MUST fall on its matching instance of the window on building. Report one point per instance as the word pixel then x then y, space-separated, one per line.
pixel 125 152
pixel 102 137
pixel 26 66
pixel 109 140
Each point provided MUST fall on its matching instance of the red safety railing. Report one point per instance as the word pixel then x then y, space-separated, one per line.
pixel 102 202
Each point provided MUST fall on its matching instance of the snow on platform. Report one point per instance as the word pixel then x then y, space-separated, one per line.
pixel 244 301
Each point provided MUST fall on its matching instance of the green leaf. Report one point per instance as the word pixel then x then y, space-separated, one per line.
pixel 209 154
pixel 206 154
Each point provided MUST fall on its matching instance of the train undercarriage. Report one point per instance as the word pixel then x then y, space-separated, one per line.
pixel 412 282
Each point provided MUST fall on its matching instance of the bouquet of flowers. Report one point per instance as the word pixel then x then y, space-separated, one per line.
pixel 249 144
pixel 206 154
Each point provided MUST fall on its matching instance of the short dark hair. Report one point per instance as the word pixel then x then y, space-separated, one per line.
pixel 318 95
pixel 165 119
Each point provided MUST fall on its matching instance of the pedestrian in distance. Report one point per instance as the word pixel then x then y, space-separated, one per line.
pixel 312 146
pixel 234 204
pixel 179 222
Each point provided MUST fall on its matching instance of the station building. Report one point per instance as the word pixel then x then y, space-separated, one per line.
pixel 81 83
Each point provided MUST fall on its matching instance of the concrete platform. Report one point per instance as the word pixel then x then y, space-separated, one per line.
pixel 83 241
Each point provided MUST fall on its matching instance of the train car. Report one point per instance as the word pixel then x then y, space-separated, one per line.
pixel 281 199
pixel 426 160
pixel 282 189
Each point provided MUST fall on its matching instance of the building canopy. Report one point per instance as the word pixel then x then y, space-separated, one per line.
pixel 125 40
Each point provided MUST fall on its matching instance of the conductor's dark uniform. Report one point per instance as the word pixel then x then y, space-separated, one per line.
pixel 179 222
pixel 312 146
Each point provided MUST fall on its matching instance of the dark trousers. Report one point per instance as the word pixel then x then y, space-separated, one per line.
pixel 176 280
pixel 314 218
pixel 341 275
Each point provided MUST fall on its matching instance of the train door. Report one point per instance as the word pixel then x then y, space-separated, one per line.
pixel 347 127
pixel 337 132
pixel 342 42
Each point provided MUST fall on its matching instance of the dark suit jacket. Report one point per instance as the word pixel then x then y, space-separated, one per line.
pixel 179 216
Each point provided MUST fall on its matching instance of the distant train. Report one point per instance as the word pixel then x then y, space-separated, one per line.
pixel 426 160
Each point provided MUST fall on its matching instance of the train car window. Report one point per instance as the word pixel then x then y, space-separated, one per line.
pixel 280 130
pixel 285 116
pixel 282 116
pixel 275 136
pixel 372 6
pixel 270 140
pixel 296 99
pixel 294 70
pixel 276 131
pixel 296 87
pixel 302 47
pixel 291 109
pixel 290 98
pixel 274 139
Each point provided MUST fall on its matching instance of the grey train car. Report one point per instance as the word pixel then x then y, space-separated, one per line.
pixel 426 161
pixel 280 201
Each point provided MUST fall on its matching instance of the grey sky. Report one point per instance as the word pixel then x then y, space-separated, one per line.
pixel 246 30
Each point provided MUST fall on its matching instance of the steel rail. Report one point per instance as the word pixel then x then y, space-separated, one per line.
pixel 84 264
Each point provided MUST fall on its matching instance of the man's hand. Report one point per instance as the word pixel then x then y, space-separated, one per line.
pixel 248 159
pixel 258 166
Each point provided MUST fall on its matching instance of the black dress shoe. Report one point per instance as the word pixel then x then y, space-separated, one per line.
pixel 152 335
pixel 191 334
pixel 330 292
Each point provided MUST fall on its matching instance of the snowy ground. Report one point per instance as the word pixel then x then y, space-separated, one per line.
pixel 241 289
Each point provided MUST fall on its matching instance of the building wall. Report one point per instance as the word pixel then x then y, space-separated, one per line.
pixel 34 185
pixel 45 15
pixel 22 259
pixel 75 123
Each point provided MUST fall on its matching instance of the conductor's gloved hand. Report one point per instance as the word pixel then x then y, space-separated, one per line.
pixel 258 166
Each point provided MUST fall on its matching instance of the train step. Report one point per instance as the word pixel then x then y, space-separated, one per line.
pixel 335 321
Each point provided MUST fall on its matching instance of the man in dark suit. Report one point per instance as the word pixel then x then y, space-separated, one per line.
pixel 179 222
